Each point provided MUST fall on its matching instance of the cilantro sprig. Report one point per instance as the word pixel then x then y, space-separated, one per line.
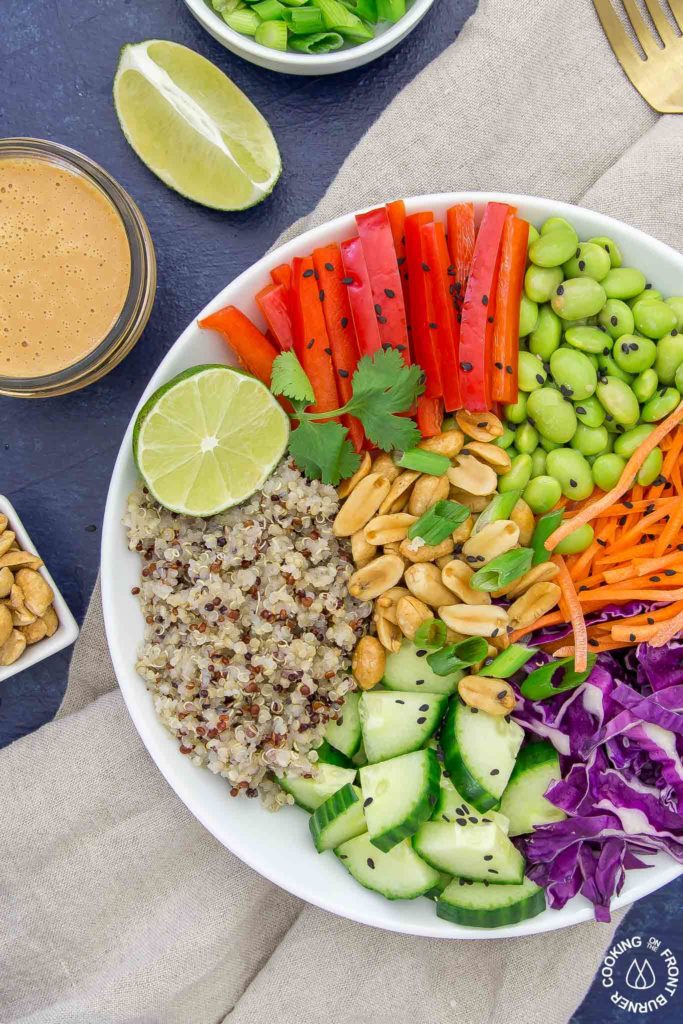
pixel 383 387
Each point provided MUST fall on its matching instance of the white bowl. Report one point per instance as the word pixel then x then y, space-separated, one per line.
pixel 280 847
pixel 290 63
pixel 67 630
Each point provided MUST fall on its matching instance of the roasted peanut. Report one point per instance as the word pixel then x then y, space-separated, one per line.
pixel 524 517
pixel 456 577
pixel 491 454
pixel 494 696
pixel 3 522
pixel 423 579
pixel 475 619
pixel 346 486
pixel 388 633
pixel 35 632
pixel 6 581
pixel 492 540
pixel 491 653
pixel 7 539
pixel 449 443
pixel 401 503
pixel 21 616
pixel 368 661
pixel 13 648
pixel 501 642
pixel 543 573
pixel 410 614
pixel 361 551
pixel 386 602
pixel 444 560
pixel 536 601
pixel 425 552
pixel 388 529
pixel 20 560
pixel 474 502
pixel 395 549
pixel 481 426
pixel 51 622
pixel 38 594
pixel 398 488
pixel 463 532
pixel 361 505
pixel 6 625
pixel 384 464
pixel 472 476
pixel 377 576
pixel 426 492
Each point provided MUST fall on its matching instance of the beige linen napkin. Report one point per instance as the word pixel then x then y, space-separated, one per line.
pixel 116 905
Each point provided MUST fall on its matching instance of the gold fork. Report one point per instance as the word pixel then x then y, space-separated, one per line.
pixel 659 77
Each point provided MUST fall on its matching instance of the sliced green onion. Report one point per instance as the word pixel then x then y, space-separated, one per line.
pixel 269 10
pixel 243 21
pixel 295 3
pixel 272 34
pixel 456 656
pixel 438 522
pixel 319 42
pixel 367 10
pixel 431 633
pixel 555 677
pixel 304 20
pixel 391 10
pixel 546 525
pixel 340 19
pixel 502 570
pixel 500 507
pixel 424 462
pixel 508 662
pixel 225 7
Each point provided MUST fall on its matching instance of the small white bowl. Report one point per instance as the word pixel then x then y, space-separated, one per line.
pixel 289 63
pixel 67 631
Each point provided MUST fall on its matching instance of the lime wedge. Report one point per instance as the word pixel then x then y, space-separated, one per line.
pixel 193 127
pixel 208 439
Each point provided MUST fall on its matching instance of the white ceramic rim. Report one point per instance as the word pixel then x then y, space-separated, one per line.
pixel 67 631
pixel 376 912
pixel 287 60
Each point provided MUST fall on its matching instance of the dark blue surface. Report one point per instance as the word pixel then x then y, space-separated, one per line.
pixel 57 62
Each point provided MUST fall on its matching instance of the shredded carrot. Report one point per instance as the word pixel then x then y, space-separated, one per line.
pixel 618 575
pixel 668 631
pixel 645 566
pixel 551 619
pixel 634 634
pixel 574 612
pixel 584 560
pixel 614 595
pixel 649 617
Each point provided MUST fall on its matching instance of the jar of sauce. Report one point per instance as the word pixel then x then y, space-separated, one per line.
pixel 77 270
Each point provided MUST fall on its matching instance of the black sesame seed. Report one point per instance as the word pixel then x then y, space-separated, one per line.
pixel 382 320
pixel 399 701
pixel 492 871
pixel 582 264
pixel 488 856
pixel 466 367
pixel 378 309
pixel 311 343
pixel 425 267
pixel 420 654
pixel 508 369
pixel 499 366
pixel 390 293
pixel 461 821
pixel 501 695
pixel 321 294
pixel 329 266
pixel 446 818
pixel 347 280
pixel 328 351
pixel 484 300
pixel 421 720
pixel 433 327
pixel 308 273
pixel 344 322
pixel 474 820
pixel 560 290
pixel 540 378
pixel 424 707
pixel 573 483
pixel 366 803
pixel 495 771
pixel 371 862
pixel 650 621
pixel 580 409
pixel 419 682
pixel 344 373
pixel 669 572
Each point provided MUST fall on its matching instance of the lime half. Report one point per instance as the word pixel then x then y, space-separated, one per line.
pixel 208 439
pixel 193 127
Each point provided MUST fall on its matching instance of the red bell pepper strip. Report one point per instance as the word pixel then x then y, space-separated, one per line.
pixel 359 290
pixel 421 314
pixel 429 415
pixel 385 279
pixel 435 253
pixel 461 235
pixel 253 350
pixel 339 323
pixel 273 302
pixel 508 300
pixel 311 342
pixel 282 275
pixel 478 311
pixel 396 212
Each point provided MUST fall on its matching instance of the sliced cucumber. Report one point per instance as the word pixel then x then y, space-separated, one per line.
pixel 394 723
pixel 344 734
pixel 450 806
pixel 327 754
pixel 399 874
pixel 409 671
pixel 444 881
pixel 340 818
pixel 479 752
pixel 398 795
pixel 480 905
pixel 523 802
pixel 481 852
pixel 360 758
pixel 311 793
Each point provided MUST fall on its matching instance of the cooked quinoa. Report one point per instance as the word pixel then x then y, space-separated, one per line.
pixel 249 628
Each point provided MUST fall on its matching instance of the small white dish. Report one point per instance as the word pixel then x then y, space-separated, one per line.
pixel 67 630
pixel 289 63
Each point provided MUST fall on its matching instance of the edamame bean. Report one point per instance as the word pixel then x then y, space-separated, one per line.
pixel 542 493
pixel 532 375
pixel 505 439
pixel 611 248
pixel 540 282
pixel 526 438
pixel 572 472
pixel 634 354
pixel 589 260
pixel 553 417
pixel 512 452
pixel 660 405
pixel 647 293
pixel 654 319
pixel 678 379
pixel 590 412
pixel 590 440
pixel 517 476
pixel 554 248
pixel 537 462
pixel 676 303
pixel 623 283
pixel 669 357
pixel 516 413
pixel 574 373
pixel 556 224
pixel 645 385
pixel 651 468
pixel 547 333
pixel 534 233
pixel 577 541
pixel 588 339
pixel 617 318
pixel 549 446
pixel 528 315
pixel 628 443
pixel 618 401
pixel 578 297
pixel 609 367
pixel 607 470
